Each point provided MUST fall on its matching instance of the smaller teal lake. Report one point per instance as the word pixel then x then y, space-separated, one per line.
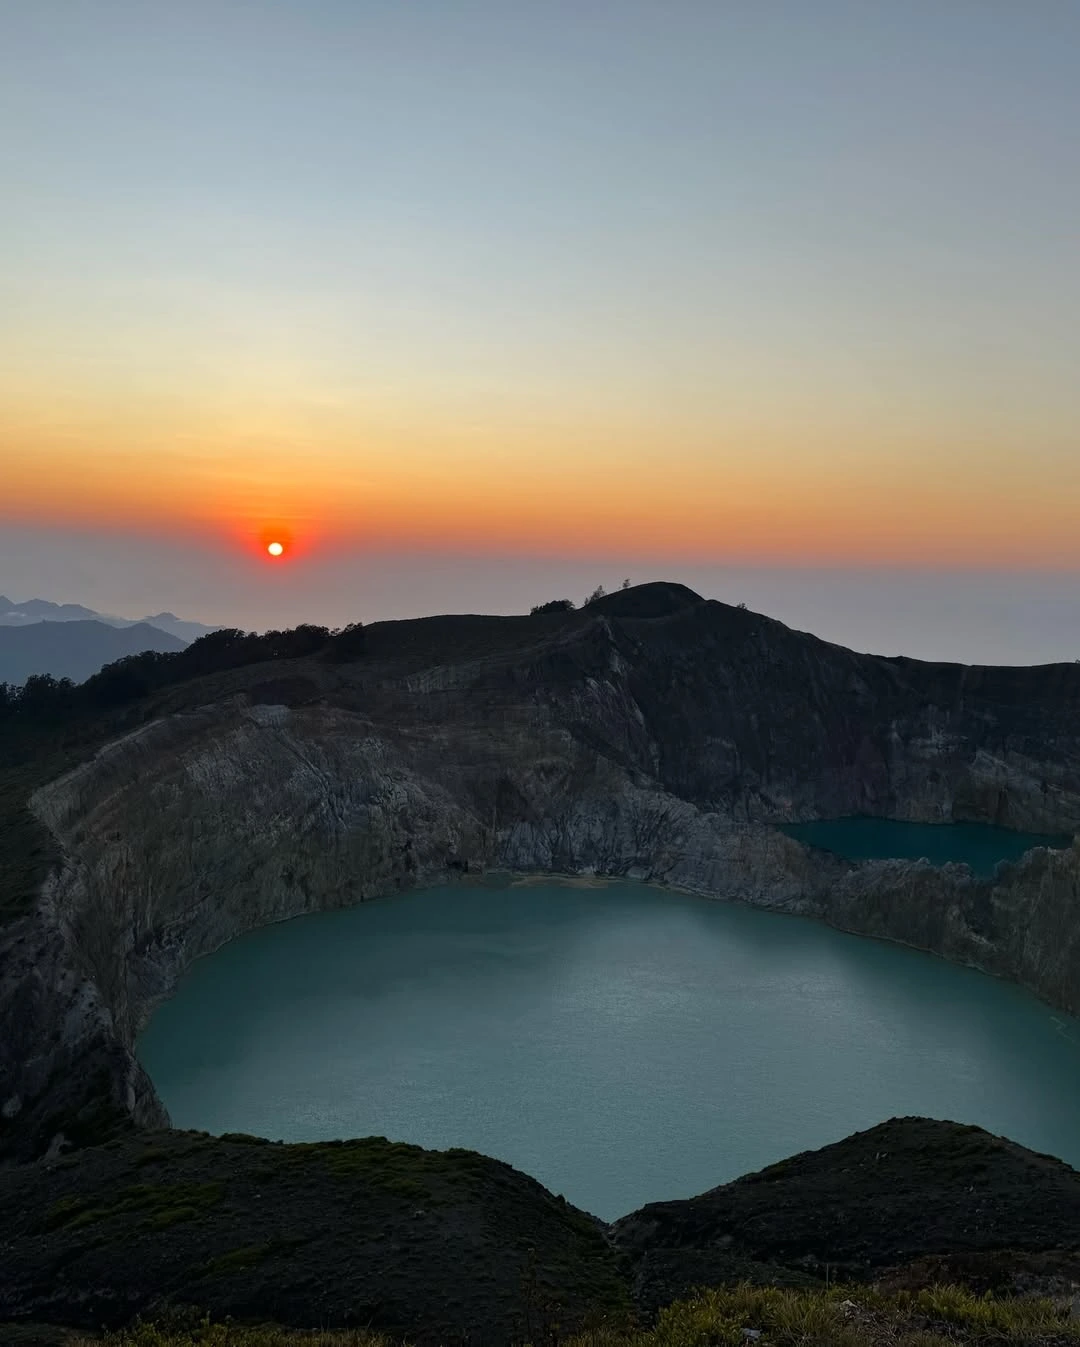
pixel 976 844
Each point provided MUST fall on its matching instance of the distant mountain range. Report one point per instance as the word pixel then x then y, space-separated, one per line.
pixel 42 610
pixel 74 648
pixel 70 641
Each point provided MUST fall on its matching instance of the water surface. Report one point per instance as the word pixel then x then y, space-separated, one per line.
pixel 622 1044
pixel 977 844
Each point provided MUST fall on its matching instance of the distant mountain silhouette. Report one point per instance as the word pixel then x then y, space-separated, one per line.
pixel 176 626
pixel 43 610
pixel 73 648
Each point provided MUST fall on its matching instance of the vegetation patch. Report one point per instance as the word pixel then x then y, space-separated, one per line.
pixel 251 1255
pixel 740 1316
pixel 393 1166
pixel 161 1205
pixel 206 1334
pixel 856 1317
pixel 65 1212
pixel 988 1315
pixel 152 1155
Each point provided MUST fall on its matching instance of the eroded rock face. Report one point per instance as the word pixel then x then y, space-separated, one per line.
pixel 657 737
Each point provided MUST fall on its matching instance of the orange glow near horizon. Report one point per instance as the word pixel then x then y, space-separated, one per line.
pixel 744 483
pixel 758 507
pixel 708 515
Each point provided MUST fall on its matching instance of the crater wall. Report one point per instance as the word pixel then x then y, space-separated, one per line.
pixel 661 748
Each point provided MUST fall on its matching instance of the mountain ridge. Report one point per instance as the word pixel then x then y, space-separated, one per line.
pixel 75 648
pixel 45 610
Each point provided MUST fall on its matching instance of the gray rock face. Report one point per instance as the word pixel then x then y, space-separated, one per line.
pixel 654 736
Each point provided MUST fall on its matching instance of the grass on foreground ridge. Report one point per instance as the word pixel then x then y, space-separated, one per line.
pixel 728 1317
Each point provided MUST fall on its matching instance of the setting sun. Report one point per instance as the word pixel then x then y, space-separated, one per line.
pixel 275 549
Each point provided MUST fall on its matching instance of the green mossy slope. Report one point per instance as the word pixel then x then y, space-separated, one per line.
pixel 430 1245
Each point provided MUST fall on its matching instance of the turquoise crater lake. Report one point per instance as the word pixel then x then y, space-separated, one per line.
pixel 621 1044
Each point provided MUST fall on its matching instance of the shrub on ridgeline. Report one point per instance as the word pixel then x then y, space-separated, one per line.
pixel 43 699
pixel 306 639
pixel 598 593
pixel 44 702
pixel 554 606
pixel 347 643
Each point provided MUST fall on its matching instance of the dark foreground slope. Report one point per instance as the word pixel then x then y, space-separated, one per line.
pixel 447 1247
pixel 904 1192
pixel 439 1247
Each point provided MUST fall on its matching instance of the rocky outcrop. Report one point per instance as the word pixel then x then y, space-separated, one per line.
pixel 652 735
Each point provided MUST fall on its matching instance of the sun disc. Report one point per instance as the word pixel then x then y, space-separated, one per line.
pixel 275 549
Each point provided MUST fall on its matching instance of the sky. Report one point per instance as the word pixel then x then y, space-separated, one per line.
pixel 465 302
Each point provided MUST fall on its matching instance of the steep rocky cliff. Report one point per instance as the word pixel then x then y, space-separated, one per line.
pixel 652 735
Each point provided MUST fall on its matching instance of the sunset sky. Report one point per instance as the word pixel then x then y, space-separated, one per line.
pixel 463 299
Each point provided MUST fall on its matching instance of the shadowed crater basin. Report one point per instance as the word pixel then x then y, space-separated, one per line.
pixel 621 1044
